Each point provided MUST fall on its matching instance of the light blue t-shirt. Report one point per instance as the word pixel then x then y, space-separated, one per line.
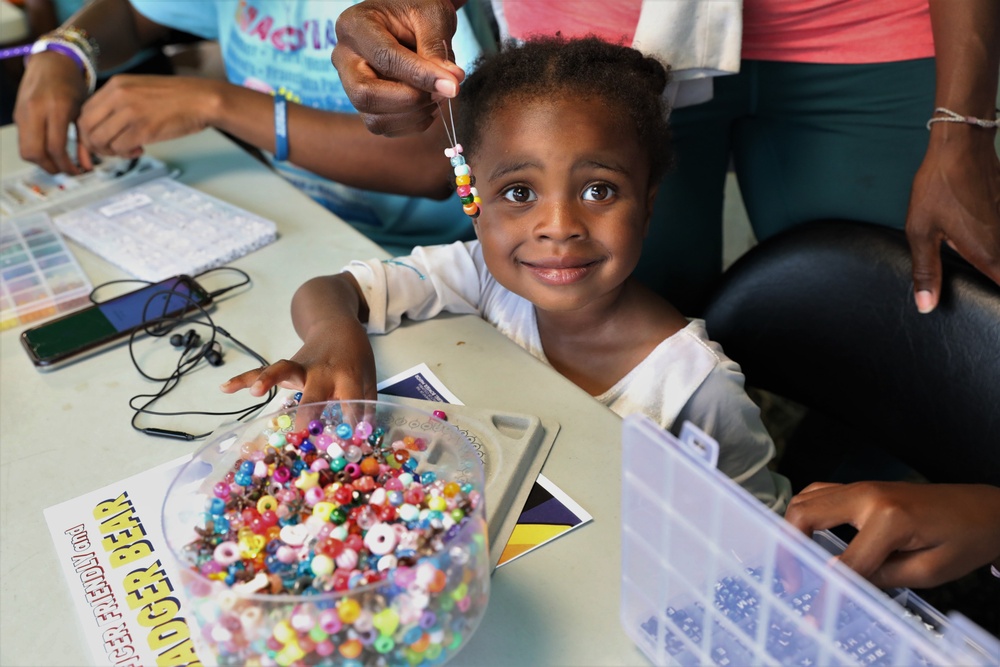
pixel 283 47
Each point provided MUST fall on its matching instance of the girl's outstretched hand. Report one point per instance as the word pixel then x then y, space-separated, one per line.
pixel 335 363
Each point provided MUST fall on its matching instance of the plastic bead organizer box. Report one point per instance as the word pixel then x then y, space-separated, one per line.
pixel 712 576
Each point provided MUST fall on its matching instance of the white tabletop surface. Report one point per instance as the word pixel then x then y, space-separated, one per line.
pixel 67 432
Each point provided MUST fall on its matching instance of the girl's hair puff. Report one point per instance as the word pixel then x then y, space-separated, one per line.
pixel 589 67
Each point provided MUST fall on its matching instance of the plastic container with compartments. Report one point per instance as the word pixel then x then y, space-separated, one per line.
pixel 712 576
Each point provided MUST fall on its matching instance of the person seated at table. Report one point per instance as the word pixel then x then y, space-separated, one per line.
pixel 282 96
pixel 909 534
pixel 565 140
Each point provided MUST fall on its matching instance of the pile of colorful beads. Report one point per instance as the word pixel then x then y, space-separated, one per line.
pixel 337 544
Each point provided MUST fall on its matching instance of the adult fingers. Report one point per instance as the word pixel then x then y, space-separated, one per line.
pixel 84 157
pixel 925 249
pixel 46 104
pixel 402 124
pixel 982 250
pixel 45 145
pixel 377 32
pixel 374 96
pixel 106 124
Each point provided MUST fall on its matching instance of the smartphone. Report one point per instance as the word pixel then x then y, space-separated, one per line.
pixel 95 328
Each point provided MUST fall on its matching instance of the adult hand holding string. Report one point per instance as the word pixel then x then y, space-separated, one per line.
pixel 917 535
pixel 394 63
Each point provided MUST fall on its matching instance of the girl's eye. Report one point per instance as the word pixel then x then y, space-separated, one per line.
pixel 519 194
pixel 598 192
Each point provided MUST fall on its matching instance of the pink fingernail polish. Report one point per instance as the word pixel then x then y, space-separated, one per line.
pixel 925 301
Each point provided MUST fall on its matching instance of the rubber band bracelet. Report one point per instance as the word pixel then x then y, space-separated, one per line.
pixel 74 53
pixel 280 128
pixel 953 117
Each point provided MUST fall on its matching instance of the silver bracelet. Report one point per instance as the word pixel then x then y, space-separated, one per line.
pixel 952 117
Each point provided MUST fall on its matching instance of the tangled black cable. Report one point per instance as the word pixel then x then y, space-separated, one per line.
pixel 193 352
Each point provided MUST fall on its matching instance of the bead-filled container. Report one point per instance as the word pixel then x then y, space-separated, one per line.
pixel 347 533
pixel 711 576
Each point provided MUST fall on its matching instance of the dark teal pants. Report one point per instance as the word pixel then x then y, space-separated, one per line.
pixel 807 142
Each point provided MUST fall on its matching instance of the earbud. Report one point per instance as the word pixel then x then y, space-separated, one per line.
pixel 191 352
pixel 212 352
pixel 187 340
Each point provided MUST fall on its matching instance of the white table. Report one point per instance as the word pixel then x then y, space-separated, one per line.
pixel 67 432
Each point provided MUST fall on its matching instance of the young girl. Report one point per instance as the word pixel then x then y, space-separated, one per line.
pixel 567 140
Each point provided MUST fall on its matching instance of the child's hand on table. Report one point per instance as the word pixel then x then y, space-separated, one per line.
pixel 336 361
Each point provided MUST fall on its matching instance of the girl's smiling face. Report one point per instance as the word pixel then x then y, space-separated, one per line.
pixel 566 200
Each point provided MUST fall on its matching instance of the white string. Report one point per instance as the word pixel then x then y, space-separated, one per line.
pixel 453 137
pixel 444 123
pixel 451 116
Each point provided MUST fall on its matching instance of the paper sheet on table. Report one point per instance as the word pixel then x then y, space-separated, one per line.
pixel 548 512
pixel 122 579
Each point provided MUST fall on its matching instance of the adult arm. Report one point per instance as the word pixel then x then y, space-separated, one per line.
pixel 41 16
pixel 918 535
pixel 956 192
pixel 393 60
pixel 131 111
pixel 53 88
pixel 335 361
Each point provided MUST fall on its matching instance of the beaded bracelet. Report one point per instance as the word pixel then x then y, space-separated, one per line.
pixel 80 37
pixel 73 52
pixel 280 128
pixel 953 117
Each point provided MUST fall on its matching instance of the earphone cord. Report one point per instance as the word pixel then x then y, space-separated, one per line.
pixel 245 280
pixel 161 326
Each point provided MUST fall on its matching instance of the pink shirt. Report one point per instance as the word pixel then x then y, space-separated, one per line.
pixel 811 31
pixel 837 31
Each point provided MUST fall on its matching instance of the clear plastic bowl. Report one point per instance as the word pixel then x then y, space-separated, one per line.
pixel 424 607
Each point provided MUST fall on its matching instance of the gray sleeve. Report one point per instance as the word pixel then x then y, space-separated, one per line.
pixel 721 408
